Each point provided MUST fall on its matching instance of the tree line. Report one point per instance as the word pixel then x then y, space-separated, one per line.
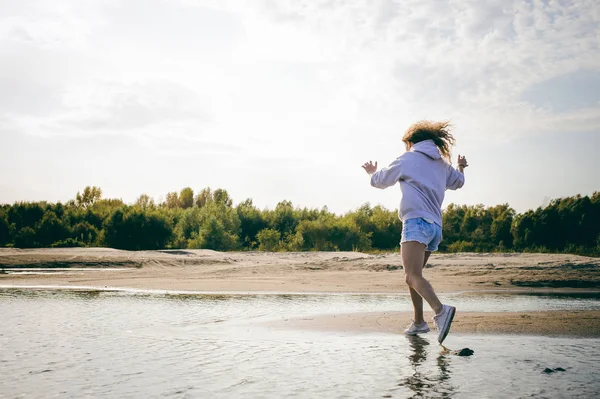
pixel 209 220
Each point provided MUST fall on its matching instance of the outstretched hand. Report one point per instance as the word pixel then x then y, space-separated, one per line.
pixel 369 167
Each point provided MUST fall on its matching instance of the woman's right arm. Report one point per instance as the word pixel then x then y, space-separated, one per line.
pixel 455 179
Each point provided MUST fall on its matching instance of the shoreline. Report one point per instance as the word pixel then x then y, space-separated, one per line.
pixel 555 323
pixel 206 272
pixel 150 291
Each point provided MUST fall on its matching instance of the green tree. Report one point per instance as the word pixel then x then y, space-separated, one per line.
pixel 314 235
pixel 347 235
pixel 85 233
pixel 172 200
pixel 191 226
pixel 451 222
pixel 144 201
pixel 186 198
pixel 221 196
pixel 50 230
pixel 214 235
pixel 101 210
pixel 131 228
pixel 500 231
pixel 25 214
pixel 567 224
pixel 204 197
pixel 251 222
pixel 88 197
pixel 520 229
pixel 188 223
pixel 4 230
pixel 283 219
pixel 386 228
pixel 268 239
pixel 25 238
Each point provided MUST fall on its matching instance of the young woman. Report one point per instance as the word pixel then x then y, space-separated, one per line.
pixel 424 173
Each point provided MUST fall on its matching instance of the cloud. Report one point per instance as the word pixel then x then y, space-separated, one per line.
pixel 273 96
pixel 318 67
pixel 467 59
pixel 111 72
pixel 117 106
pixel 108 107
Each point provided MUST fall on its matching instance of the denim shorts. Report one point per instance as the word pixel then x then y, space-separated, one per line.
pixel 423 231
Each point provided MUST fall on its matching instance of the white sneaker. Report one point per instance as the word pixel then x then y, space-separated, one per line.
pixel 415 329
pixel 443 321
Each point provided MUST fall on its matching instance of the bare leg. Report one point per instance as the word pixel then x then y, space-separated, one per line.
pixel 413 257
pixel 417 300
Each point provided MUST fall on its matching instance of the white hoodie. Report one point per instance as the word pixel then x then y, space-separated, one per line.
pixel 424 177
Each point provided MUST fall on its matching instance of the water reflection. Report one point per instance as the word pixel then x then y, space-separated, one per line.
pixel 425 381
pixel 119 344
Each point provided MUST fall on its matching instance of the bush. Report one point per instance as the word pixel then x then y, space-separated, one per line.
pixel 133 229
pixel 269 240
pixel 51 229
pixel 4 231
pixel 85 233
pixel 25 238
pixel 213 235
pixel 209 221
pixel 461 246
pixel 68 243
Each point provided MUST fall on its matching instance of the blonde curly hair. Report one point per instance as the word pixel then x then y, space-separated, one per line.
pixel 439 132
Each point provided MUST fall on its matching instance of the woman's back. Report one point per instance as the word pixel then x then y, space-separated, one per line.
pixel 424 177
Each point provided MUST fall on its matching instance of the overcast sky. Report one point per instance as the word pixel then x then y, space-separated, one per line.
pixel 285 99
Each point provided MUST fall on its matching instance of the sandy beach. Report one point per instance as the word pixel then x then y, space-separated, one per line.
pixel 205 270
pixel 353 272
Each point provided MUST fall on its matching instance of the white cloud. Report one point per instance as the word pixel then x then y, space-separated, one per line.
pixel 469 59
pixel 321 82
pixel 114 106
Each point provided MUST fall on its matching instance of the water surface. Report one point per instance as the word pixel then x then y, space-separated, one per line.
pixel 137 344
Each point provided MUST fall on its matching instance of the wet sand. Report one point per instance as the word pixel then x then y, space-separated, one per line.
pixel 550 323
pixel 205 270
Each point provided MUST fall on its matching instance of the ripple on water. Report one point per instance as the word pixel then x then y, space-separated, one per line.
pixel 119 345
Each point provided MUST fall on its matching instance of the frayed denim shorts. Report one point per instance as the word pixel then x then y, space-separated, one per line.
pixel 424 231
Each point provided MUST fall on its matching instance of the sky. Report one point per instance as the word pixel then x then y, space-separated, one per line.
pixel 285 99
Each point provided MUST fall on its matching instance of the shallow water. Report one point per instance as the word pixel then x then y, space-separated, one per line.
pixel 58 270
pixel 120 344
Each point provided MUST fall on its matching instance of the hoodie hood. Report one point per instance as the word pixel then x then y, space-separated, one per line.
pixel 428 148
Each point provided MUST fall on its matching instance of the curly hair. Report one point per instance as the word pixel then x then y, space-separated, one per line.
pixel 439 132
